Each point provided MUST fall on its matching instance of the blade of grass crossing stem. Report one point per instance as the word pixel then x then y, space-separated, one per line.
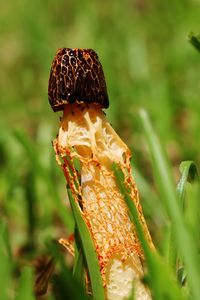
pixel 160 278
pixel 25 289
pixel 89 251
pixel 184 240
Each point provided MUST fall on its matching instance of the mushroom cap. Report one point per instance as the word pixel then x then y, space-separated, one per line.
pixel 76 76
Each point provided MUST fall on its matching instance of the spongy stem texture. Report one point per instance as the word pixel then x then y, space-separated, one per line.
pixel 87 137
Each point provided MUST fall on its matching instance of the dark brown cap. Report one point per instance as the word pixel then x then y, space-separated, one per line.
pixel 76 77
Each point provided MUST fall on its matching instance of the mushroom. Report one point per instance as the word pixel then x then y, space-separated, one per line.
pixel 77 87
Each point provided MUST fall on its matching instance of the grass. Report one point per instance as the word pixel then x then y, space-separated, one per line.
pixel 148 63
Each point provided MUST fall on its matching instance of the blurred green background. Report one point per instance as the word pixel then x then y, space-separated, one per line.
pixel 148 62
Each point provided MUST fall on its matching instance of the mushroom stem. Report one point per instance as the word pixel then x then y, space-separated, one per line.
pixel 86 135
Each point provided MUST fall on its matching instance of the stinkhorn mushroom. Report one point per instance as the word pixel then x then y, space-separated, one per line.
pixel 77 87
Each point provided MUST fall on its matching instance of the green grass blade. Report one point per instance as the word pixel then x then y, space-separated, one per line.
pixel 192 214
pixel 25 289
pixel 4 233
pixel 78 267
pixel 184 240
pixel 65 286
pixel 189 172
pixel 153 207
pixel 160 277
pixel 89 252
pixel 32 154
pixel 189 188
pixel 5 263
pixel 194 39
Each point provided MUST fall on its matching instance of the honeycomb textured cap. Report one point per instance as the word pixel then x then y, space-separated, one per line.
pixel 76 76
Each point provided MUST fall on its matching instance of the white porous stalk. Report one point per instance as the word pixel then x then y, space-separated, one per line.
pixel 85 134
